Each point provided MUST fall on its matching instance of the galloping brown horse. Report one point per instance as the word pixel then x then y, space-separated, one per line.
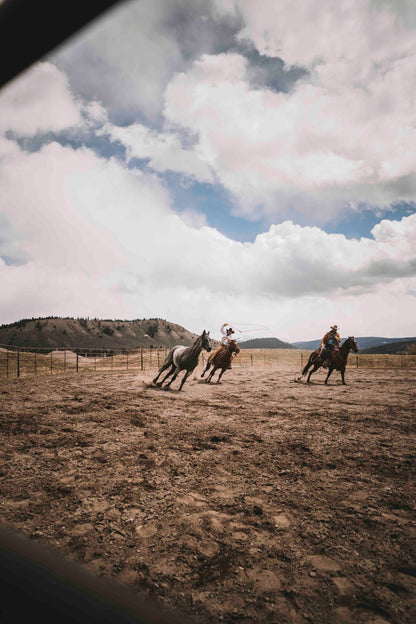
pixel 337 360
pixel 221 360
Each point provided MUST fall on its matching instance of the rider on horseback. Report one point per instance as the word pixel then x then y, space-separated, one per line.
pixel 329 342
pixel 226 333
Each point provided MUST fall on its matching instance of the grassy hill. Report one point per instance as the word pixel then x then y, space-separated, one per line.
pixel 54 332
pixel 265 343
pixel 401 347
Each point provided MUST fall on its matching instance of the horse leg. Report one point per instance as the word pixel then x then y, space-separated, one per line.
pixel 342 375
pixel 206 368
pixel 164 367
pixel 185 377
pixel 220 375
pixel 329 372
pixel 177 371
pixel 314 369
pixel 306 368
pixel 168 362
pixel 160 383
pixel 211 374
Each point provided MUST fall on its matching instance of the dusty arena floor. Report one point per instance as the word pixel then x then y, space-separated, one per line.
pixel 256 500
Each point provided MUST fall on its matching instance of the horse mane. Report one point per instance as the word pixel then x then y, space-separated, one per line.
pixel 346 344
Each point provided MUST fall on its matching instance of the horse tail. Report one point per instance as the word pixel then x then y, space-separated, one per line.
pixel 305 369
pixel 312 360
pixel 168 359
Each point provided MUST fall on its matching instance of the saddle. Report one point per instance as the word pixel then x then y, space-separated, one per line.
pixel 327 352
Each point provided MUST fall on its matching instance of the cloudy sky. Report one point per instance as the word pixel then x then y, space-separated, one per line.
pixel 205 161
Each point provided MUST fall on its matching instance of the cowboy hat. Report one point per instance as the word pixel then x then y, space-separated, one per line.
pixel 335 327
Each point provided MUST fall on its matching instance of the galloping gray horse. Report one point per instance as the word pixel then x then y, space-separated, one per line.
pixel 183 358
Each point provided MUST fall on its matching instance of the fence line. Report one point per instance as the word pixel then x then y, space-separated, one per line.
pixel 16 362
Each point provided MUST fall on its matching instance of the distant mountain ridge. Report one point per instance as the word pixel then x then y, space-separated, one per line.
pixel 265 343
pixel 401 347
pixel 363 342
pixel 85 333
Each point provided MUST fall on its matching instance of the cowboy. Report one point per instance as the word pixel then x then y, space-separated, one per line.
pixel 329 342
pixel 227 331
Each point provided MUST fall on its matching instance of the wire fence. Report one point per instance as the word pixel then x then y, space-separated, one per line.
pixel 17 362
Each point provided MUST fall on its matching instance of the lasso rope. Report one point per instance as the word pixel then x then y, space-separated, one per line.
pixel 253 327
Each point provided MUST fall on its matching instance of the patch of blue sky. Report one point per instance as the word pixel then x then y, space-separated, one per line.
pixel 353 223
pixel 358 224
pixel 139 163
pixel 124 118
pixel 216 205
pixel 99 144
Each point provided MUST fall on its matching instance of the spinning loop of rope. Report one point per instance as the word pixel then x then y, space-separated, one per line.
pixel 244 327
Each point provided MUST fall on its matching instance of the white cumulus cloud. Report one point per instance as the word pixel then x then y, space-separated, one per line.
pixel 38 101
pixel 83 234
pixel 101 240
pixel 164 150
pixel 346 132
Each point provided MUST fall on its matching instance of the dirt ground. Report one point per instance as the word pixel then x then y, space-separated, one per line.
pixel 256 500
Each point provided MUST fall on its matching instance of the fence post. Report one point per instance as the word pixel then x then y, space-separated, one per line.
pixel 18 362
pixel 77 363
pixel 141 357
pixel 7 364
pixel 251 359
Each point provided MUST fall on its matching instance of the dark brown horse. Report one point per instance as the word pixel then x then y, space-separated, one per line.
pixel 222 360
pixel 337 360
